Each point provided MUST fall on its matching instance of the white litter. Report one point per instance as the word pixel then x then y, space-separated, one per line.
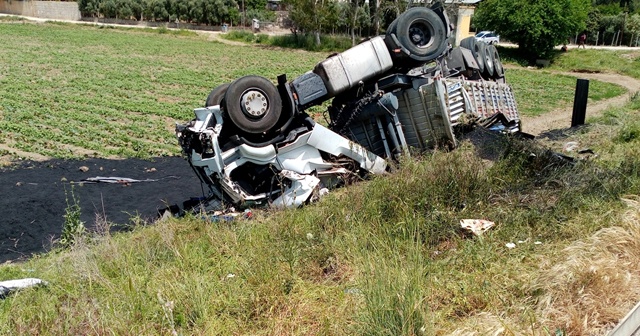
pixel 570 146
pixel 510 245
pixel 9 286
pixel 476 226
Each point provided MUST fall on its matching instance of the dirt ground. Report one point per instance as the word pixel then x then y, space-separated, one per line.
pixel 33 197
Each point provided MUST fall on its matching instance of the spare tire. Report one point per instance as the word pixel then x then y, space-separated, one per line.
pixel 485 52
pixel 216 95
pixel 253 104
pixel 473 45
pixel 421 32
pixel 498 69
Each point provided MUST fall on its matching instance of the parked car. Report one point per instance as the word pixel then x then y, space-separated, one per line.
pixel 488 37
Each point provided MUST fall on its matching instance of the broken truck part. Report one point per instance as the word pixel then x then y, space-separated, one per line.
pixel 253 143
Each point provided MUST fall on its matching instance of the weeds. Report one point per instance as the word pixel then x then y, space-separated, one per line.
pixel 73 227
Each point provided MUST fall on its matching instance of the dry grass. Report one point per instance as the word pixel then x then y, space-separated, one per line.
pixel 597 280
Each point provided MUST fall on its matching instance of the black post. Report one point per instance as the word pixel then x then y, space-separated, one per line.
pixel 580 102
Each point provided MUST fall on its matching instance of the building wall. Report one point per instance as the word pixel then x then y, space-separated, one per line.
pixel 56 10
pixel 463 24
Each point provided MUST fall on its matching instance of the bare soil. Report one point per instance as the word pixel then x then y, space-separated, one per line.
pixel 34 195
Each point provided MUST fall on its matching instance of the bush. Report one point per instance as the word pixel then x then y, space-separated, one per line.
pixel 307 42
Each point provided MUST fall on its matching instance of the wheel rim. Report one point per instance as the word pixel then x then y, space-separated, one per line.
pixel 420 34
pixel 254 103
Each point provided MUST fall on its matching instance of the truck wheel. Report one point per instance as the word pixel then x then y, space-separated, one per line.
pixel 473 45
pixel 485 52
pixel 216 95
pixel 393 26
pixel 422 33
pixel 498 69
pixel 253 104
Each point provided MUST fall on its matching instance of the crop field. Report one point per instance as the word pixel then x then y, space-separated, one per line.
pixel 73 91
pixel 81 91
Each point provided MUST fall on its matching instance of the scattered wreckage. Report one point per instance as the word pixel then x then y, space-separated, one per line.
pixel 253 144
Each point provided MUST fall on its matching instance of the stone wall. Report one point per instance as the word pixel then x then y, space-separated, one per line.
pixel 56 10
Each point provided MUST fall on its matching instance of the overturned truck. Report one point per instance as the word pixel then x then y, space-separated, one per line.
pixel 253 144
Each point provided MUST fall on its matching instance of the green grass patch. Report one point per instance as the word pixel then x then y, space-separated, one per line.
pixel 538 91
pixel 11 18
pixel 626 62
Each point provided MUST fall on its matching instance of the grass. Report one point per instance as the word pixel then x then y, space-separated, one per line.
pixel 382 257
pixel 623 62
pixel 539 92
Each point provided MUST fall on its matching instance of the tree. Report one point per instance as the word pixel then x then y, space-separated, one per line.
pixel 309 15
pixel 536 26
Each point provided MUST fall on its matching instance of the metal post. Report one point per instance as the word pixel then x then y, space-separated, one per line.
pixel 580 102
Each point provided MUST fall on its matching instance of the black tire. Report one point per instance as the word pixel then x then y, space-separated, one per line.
pixel 421 31
pixel 485 52
pixel 216 95
pixel 392 27
pixel 253 104
pixel 498 69
pixel 473 45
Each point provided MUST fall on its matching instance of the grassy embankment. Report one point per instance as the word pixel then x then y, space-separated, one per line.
pixel 382 257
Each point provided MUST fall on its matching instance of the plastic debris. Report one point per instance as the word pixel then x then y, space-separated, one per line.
pixel 538 243
pixel 476 226
pixel 570 146
pixel 121 180
pixel 228 215
pixel 510 245
pixel 9 286
pixel 352 291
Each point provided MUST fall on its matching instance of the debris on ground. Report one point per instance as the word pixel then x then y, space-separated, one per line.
pixel 476 226
pixel 120 180
pixel 9 286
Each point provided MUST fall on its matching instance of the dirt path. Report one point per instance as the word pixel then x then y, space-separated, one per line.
pixel 561 118
pixel 215 36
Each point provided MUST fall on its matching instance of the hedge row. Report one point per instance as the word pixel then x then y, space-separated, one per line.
pixel 211 12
